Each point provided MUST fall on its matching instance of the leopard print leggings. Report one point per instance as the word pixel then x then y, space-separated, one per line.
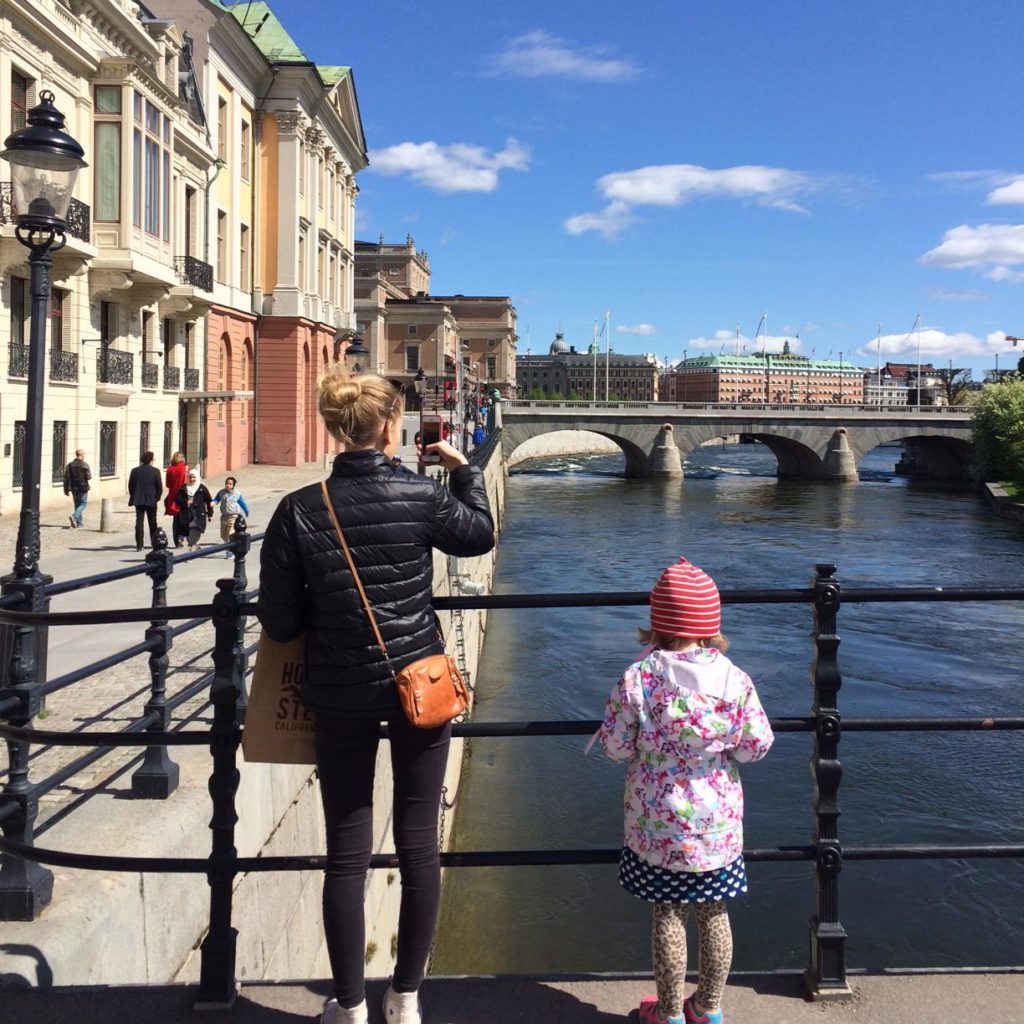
pixel 668 946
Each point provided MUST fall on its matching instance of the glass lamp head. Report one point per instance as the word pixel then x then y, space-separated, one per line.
pixel 355 352
pixel 45 161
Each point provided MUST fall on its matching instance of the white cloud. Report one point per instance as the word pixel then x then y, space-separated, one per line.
pixel 540 54
pixel 458 167
pixel 677 184
pixel 935 345
pixel 610 222
pixel 1010 193
pixel 993 250
pixel 725 342
pixel 637 329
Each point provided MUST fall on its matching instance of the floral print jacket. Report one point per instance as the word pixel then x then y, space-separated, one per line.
pixel 682 720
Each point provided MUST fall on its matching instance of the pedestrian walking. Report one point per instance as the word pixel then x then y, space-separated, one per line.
pixel 683 716
pixel 76 483
pixel 174 480
pixel 393 521
pixel 144 489
pixel 232 504
pixel 195 509
pixel 479 435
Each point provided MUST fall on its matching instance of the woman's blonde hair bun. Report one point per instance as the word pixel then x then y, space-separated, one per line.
pixel 355 409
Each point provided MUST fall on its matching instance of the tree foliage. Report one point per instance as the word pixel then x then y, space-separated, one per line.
pixel 998 425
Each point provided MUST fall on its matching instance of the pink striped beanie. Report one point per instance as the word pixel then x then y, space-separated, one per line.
pixel 685 602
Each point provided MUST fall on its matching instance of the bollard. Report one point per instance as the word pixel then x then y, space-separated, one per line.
pixel 106 515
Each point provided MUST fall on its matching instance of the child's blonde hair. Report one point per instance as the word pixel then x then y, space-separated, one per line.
pixel 355 409
pixel 675 643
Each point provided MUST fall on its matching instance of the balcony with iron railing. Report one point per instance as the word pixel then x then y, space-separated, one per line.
pixel 193 271
pixel 150 376
pixel 115 367
pixel 172 378
pixel 17 359
pixel 191 378
pixel 77 222
pixel 63 366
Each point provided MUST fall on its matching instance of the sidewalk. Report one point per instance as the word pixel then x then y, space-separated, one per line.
pixel 595 999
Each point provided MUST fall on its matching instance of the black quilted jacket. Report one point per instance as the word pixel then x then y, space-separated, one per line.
pixel 392 520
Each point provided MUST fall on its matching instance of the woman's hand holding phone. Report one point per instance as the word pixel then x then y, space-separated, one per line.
pixel 448 456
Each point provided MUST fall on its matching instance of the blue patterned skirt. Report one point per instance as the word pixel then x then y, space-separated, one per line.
pixel 659 885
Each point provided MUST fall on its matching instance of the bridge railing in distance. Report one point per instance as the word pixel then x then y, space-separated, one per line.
pixel 683 407
pixel 23 875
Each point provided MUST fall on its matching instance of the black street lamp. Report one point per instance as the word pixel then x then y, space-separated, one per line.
pixel 419 383
pixel 45 162
pixel 356 350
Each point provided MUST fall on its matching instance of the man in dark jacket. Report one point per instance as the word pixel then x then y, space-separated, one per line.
pixel 76 483
pixel 145 485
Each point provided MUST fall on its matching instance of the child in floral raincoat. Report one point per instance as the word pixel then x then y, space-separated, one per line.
pixel 682 717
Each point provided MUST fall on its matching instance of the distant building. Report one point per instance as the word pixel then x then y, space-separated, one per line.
pixel 774 378
pixel 905 375
pixel 462 342
pixel 566 373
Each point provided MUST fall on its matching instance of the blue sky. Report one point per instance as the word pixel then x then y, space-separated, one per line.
pixel 689 166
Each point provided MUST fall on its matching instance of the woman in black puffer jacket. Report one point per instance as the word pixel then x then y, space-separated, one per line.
pixel 393 519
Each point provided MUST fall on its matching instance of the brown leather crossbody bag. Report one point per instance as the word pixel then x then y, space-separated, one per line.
pixel 431 689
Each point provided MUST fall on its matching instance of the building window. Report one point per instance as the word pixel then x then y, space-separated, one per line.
pixel 167 339
pixel 412 358
pixel 321 180
pixel 243 258
pixel 168 441
pixel 18 468
pixel 147 336
pixel 21 99
pixel 151 168
pixel 302 169
pixel 245 138
pixel 59 458
pixel 190 351
pixel 108 323
pixel 302 260
pixel 222 129
pixel 412 329
pixel 19 310
pixel 222 243
pixel 108 448
pixel 143 438
pixel 107 153
pixel 58 323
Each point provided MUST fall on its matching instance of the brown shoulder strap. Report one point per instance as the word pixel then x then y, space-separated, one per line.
pixel 352 569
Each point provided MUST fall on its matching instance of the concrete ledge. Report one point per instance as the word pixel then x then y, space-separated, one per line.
pixel 1002 504
pixel 890 998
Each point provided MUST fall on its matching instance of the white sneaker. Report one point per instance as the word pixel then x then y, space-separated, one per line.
pixel 335 1014
pixel 402 1007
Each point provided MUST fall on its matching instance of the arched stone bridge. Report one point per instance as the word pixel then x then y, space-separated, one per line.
pixel 809 442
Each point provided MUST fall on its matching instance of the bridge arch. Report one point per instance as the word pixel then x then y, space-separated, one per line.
pixel 926 455
pixel 636 457
pixel 795 459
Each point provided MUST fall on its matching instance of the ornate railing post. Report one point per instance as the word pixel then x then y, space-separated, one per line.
pixel 826 971
pixel 241 542
pixel 217 986
pixel 157 777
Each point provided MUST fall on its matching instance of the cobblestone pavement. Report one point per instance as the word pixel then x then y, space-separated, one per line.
pixel 110 699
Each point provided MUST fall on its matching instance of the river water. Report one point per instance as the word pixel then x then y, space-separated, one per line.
pixel 577 524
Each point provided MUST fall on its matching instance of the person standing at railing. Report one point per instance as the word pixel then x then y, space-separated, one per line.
pixel 144 489
pixel 76 483
pixel 392 520
pixel 174 480
pixel 682 716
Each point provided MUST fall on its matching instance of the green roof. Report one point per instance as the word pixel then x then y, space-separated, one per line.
pixel 776 360
pixel 332 74
pixel 266 31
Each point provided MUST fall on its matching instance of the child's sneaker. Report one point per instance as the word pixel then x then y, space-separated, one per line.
pixel 335 1014
pixel 402 1007
pixel 651 1014
pixel 693 1017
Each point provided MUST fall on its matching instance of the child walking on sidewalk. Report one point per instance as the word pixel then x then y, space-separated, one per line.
pixel 232 504
pixel 682 716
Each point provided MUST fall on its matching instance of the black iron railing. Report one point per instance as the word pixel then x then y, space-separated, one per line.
pixel 172 378
pixel 150 375
pixel 157 776
pixel 63 366
pixel 191 378
pixel 194 272
pixel 114 366
pixel 77 222
pixel 17 360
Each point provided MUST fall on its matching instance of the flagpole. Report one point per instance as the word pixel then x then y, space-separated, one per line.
pixel 593 390
pixel 918 322
pixel 608 352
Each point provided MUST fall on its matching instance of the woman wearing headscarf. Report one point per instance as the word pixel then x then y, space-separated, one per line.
pixel 195 509
pixel 174 480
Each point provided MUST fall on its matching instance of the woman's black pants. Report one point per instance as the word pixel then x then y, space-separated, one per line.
pixel 346 752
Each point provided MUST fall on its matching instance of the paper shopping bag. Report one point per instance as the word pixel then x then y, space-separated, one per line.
pixel 278 729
